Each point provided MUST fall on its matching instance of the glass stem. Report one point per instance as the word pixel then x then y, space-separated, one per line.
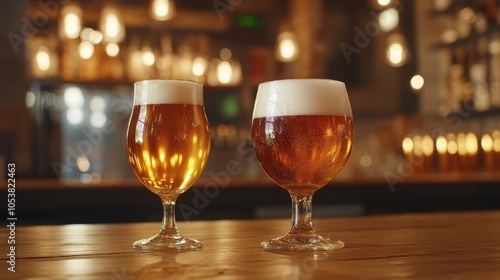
pixel 302 215
pixel 168 226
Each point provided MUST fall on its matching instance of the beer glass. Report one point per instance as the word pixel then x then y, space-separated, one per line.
pixel 168 142
pixel 302 132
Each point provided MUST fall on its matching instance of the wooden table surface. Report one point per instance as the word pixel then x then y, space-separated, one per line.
pixel 452 246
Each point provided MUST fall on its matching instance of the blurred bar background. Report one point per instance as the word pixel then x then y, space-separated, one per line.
pixel 423 78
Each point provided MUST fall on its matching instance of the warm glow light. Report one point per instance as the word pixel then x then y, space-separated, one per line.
pixel 43 58
pixel 396 50
pixel 494 47
pixel 287 47
pixel 487 143
pixel 471 144
pixel 162 9
pixel 407 145
pixel 224 72
pixel 388 19
pixel 441 5
pixel 395 53
pixel 71 23
pixel 199 66
pixel 111 25
pixel 83 163
pixel 112 49
pixel 86 50
pixel 73 97
pixel 449 36
pixel 441 145
pixel 496 140
pixel 417 145
pixel 95 37
pixel 384 3
pixel 427 145
pixel 148 58
pixel 452 144
pixel 417 82
pixel 85 33
pixel 467 14
pixel 462 148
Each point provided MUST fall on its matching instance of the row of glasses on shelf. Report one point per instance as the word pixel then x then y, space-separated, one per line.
pixel 453 153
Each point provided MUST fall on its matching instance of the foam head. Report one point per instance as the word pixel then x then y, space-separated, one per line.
pixel 168 92
pixel 302 97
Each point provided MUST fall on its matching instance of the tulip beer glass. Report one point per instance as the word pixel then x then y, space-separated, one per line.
pixel 302 131
pixel 168 142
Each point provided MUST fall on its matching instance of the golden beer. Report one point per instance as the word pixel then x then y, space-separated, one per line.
pixel 168 145
pixel 302 153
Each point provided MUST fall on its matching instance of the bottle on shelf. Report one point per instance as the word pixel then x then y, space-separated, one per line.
pixel 494 69
pixel 456 78
pixel 478 74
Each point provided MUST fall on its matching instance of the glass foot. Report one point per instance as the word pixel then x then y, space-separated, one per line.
pixel 296 242
pixel 176 242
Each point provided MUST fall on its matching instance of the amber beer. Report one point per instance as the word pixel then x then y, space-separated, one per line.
pixel 302 139
pixel 168 138
pixel 305 152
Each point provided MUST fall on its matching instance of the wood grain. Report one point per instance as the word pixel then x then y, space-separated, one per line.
pixel 462 245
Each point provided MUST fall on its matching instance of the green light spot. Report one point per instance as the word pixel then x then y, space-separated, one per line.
pixel 230 107
pixel 250 21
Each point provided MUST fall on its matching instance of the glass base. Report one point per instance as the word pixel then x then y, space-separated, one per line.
pixel 176 242
pixel 296 242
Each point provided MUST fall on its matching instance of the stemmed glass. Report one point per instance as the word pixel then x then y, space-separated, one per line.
pixel 168 142
pixel 302 131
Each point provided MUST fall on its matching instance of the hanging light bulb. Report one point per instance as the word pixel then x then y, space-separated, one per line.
pixel 397 51
pixel 43 58
pixel 71 21
pixel 228 70
pixel 388 19
pixel 417 82
pixel 162 9
pixel 199 66
pixel 44 62
pixel 287 48
pixel 111 24
pixel 224 72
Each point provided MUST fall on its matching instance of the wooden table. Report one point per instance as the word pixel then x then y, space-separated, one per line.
pixel 453 246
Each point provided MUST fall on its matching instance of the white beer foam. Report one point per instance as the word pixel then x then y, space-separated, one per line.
pixel 302 97
pixel 168 92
